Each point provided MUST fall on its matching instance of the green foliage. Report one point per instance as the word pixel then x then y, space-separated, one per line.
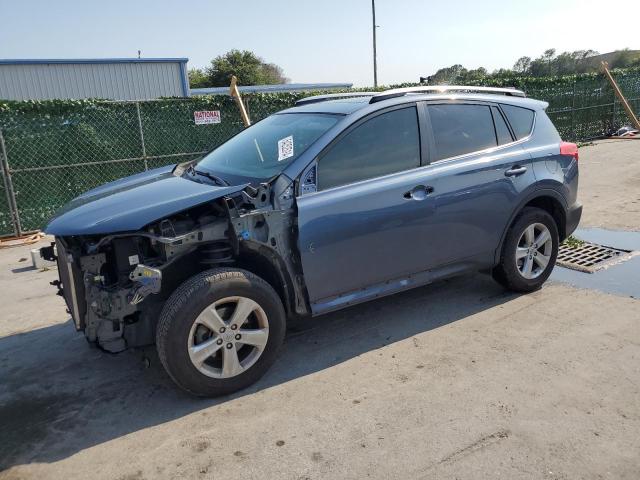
pixel 522 65
pixel 245 65
pixel 547 65
pixel 573 242
pixel 626 58
pixel 197 78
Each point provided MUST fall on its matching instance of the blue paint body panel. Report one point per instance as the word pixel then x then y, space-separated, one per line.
pixel 132 202
pixel 370 233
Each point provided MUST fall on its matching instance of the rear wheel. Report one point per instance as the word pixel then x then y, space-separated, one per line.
pixel 220 331
pixel 529 251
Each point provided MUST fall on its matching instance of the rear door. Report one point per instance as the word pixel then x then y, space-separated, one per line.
pixel 478 172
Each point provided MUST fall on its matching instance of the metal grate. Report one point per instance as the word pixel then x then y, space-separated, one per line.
pixel 589 257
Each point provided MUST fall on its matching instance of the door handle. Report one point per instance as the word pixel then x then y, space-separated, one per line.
pixel 515 171
pixel 419 192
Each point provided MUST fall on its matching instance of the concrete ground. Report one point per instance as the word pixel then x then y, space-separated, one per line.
pixel 610 184
pixel 459 379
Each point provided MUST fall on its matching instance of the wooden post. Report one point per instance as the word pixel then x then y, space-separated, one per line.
pixel 235 93
pixel 619 94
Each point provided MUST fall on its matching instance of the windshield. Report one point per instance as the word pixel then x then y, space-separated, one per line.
pixel 266 148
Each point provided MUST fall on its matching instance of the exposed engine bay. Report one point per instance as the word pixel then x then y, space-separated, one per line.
pixel 115 285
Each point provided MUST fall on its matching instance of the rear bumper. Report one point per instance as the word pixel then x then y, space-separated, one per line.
pixel 573 218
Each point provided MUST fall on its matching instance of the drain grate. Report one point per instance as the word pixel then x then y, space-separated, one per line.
pixel 589 257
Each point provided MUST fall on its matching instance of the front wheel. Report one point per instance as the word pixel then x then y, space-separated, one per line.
pixel 220 331
pixel 529 251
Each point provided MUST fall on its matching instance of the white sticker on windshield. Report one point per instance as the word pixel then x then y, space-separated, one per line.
pixel 285 148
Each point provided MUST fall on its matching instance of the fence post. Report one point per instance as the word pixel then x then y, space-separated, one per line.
pixel 144 149
pixel 8 187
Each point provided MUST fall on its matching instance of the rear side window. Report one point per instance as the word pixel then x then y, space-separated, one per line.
pixel 387 143
pixel 502 131
pixel 521 120
pixel 460 129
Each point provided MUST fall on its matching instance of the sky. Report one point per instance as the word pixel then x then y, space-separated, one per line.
pixel 316 41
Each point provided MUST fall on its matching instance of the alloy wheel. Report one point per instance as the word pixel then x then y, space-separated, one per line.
pixel 534 251
pixel 228 337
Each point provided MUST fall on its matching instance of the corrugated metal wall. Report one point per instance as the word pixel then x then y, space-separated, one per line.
pixel 118 80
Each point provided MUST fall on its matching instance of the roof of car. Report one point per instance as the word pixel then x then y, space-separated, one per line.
pixel 342 106
pixel 346 106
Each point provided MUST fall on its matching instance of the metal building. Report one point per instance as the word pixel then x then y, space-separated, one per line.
pixel 284 87
pixel 109 78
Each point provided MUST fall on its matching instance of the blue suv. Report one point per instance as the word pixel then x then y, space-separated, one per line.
pixel 336 201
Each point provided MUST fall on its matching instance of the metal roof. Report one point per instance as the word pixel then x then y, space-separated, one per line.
pixel 40 61
pixel 284 87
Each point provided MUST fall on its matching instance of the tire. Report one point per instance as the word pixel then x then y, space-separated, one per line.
pixel 513 273
pixel 198 318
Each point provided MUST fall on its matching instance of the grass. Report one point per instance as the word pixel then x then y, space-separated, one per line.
pixel 573 242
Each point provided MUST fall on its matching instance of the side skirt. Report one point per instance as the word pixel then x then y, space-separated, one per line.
pixel 400 284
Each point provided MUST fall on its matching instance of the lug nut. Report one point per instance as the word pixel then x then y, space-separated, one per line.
pixel 222 329
pixel 238 336
pixel 229 345
pixel 234 327
pixel 219 342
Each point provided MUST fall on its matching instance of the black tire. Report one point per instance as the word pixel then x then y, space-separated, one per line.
pixel 506 272
pixel 183 308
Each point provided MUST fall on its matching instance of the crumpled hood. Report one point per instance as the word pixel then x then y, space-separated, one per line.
pixel 133 202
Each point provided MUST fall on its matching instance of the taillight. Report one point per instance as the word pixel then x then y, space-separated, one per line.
pixel 568 148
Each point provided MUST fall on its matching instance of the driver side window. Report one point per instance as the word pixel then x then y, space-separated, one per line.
pixel 388 143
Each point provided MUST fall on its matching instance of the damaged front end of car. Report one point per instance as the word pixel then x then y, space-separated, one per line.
pixel 115 284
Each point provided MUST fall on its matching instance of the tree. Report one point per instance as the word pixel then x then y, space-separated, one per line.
pixel 274 73
pixel 469 76
pixel 625 58
pixel 547 57
pixel 504 73
pixel 447 75
pixel 522 65
pixel 246 66
pixel 197 78
pixel 547 64
pixel 566 63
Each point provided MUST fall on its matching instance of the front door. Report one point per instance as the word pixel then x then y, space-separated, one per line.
pixel 365 224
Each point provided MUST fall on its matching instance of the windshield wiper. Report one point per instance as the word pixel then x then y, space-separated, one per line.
pixel 220 181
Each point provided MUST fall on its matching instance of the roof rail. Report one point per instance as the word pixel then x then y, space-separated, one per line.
pixel 332 96
pixel 399 92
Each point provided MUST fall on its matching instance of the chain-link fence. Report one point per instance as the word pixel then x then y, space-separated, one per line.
pixel 52 155
pixel 51 152
pixel 585 107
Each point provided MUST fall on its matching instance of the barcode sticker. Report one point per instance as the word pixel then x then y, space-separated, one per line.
pixel 285 148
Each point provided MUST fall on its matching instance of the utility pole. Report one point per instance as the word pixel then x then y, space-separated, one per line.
pixel 375 60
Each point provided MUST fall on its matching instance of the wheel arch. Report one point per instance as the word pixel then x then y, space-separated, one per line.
pixel 548 200
pixel 268 265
